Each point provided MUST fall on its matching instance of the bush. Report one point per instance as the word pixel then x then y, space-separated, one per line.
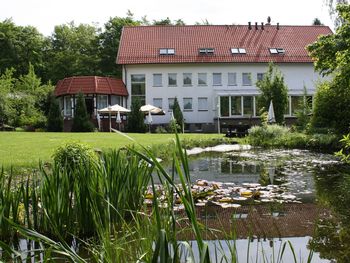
pixel 267 135
pixel 136 117
pixel 81 122
pixel 161 129
pixel 54 118
pixel 72 154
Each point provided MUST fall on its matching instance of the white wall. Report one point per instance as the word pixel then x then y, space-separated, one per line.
pixel 296 77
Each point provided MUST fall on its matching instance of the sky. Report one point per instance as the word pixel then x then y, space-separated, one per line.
pixel 45 14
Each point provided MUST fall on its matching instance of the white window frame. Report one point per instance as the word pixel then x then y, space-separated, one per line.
pixel 159 105
pixel 201 107
pixel 183 79
pixel 217 84
pixel 235 79
pixel 249 78
pixel 206 79
pixel 155 80
pixel 185 103
pixel 172 74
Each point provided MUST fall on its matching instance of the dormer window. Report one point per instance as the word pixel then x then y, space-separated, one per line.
pixel 277 50
pixel 238 51
pixel 167 51
pixel 206 51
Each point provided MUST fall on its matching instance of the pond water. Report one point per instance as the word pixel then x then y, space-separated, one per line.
pixel 316 218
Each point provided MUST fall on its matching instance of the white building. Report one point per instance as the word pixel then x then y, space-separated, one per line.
pixel 212 70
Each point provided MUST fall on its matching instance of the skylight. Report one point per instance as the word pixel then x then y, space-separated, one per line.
pixel 167 51
pixel 206 51
pixel 277 50
pixel 238 51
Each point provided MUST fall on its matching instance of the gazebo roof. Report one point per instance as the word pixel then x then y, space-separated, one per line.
pixel 90 85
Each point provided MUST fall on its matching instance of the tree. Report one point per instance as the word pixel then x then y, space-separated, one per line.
pixel 81 122
pixel 54 119
pixel 317 22
pixel 178 114
pixel 136 117
pixel 21 46
pixel 6 86
pixel 273 88
pixel 332 8
pixel 332 57
pixel 109 43
pixel 74 51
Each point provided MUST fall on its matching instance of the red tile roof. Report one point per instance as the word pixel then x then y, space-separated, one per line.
pixel 90 85
pixel 141 44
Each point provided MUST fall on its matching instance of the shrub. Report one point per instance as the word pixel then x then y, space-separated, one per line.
pixel 54 118
pixel 178 115
pixel 81 122
pixel 136 117
pixel 267 135
pixel 72 154
pixel 161 129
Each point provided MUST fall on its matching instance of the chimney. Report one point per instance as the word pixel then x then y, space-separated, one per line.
pixel 268 20
pixel 262 25
pixel 256 25
pixel 278 26
pixel 249 25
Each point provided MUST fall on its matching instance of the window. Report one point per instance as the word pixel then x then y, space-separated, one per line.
pixel 171 103
pixel 202 79
pixel 157 80
pixel 248 105
pixel 187 79
pixel 116 100
pixel 102 101
pixel 172 79
pixel 236 105
pixel 158 102
pixel 206 51
pixel 202 104
pixel 217 79
pixel 238 51
pixel 67 106
pixel 277 50
pixel 138 86
pixel 232 79
pixel 296 104
pixel 246 79
pixel 187 104
pixel 198 127
pixel 224 106
pixel 167 51
pixel 260 76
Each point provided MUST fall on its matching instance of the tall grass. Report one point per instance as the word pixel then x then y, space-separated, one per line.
pixel 101 204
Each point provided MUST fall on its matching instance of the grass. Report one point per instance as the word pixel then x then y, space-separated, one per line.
pixel 25 149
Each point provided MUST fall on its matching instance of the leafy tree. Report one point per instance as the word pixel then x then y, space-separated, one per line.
pixel 6 86
pixel 273 88
pixel 21 46
pixel 54 119
pixel 178 114
pixel 74 51
pixel 332 8
pixel 109 43
pixel 136 117
pixel 332 57
pixel 81 122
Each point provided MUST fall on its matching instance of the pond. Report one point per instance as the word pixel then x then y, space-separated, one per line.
pixel 308 207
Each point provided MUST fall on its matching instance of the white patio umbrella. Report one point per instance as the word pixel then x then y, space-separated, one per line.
pixel 152 109
pixel 114 109
pixel 271 114
pixel 149 121
pixel 119 119
pixel 98 121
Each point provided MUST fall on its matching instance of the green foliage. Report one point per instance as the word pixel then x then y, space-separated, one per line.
pixel 6 86
pixel 72 154
pixel 304 113
pixel 54 119
pixel 332 56
pixel 81 122
pixel 344 153
pixel 177 116
pixel 273 88
pixel 136 117
pixel 280 136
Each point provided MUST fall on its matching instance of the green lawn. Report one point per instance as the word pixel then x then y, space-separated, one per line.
pixel 27 148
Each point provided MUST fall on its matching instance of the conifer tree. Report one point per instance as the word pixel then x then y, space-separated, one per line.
pixel 178 114
pixel 136 117
pixel 54 118
pixel 81 122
